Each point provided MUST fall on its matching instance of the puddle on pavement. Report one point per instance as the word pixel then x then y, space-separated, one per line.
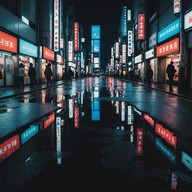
pixel 103 142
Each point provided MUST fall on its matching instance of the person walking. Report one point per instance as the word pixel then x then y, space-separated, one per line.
pixel 149 75
pixel 32 75
pixel 136 74
pixel 70 74
pixel 48 74
pixel 21 74
pixel 171 73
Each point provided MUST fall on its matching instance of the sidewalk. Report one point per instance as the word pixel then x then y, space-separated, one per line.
pixel 187 94
pixel 7 92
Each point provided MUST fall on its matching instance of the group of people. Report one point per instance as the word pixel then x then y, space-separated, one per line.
pixel 48 74
pixel 170 70
pixel 32 74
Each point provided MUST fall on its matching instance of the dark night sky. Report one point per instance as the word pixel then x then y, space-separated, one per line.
pixel 100 12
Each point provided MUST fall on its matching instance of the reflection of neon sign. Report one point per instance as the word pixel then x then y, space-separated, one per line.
pixel 148 119
pixel 129 115
pixel 29 133
pixel 76 119
pixel 123 111
pixel 9 147
pixel 165 134
pixel 49 121
pixel 58 139
pixel 140 141
pixel 168 153
pixel 186 160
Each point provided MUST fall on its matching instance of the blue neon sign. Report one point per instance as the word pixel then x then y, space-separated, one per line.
pixel 27 48
pixel 95 32
pixel 169 31
pixel 124 21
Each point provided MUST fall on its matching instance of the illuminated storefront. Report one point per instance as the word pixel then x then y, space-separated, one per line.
pixel 47 56
pixel 168 50
pixel 8 59
pixel 27 54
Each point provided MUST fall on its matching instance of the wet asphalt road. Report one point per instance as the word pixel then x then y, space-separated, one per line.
pixel 100 151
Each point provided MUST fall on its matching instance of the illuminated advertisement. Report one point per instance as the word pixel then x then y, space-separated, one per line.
pixel 167 152
pixel 48 54
pixel 141 26
pixel 169 31
pixel 96 65
pixel 117 50
pixel 96 61
pixel 168 48
pixel 186 160
pixel 124 55
pixel 95 32
pixel 27 48
pixel 96 46
pixel 9 146
pixel 124 21
pixel 56 25
pixel 29 133
pixel 76 36
pixel 176 6
pixel 70 54
pixel 130 43
pixel 166 134
pixel 140 134
pixel 129 15
pixel 8 42
pixel 188 20
pixel 49 121
pixel 59 59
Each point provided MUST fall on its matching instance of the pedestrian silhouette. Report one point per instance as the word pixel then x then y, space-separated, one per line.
pixel 48 74
pixel 149 75
pixel 21 74
pixel 171 73
pixel 32 75
pixel 70 74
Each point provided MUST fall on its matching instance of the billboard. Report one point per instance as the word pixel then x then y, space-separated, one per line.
pixel 95 32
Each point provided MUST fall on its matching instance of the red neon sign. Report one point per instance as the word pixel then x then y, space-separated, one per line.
pixel 48 54
pixel 76 36
pixel 141 26
pixel 168 48
pixel 8 42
